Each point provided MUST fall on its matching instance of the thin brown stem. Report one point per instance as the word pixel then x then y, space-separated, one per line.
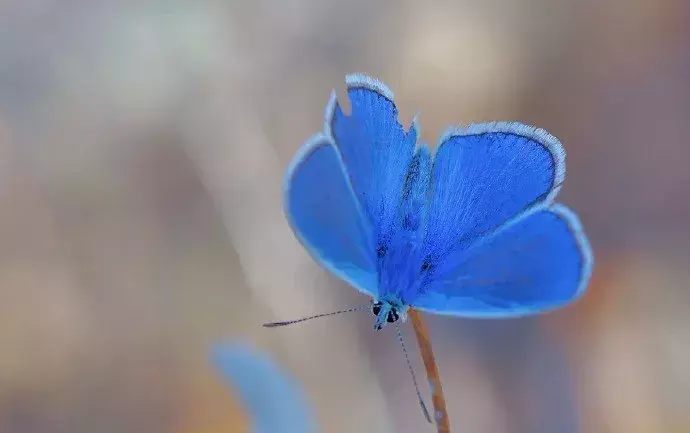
pixel 440 414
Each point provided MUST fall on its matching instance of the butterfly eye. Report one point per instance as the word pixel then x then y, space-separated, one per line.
pixel 426 264
pixel 376 308
pixel 392 316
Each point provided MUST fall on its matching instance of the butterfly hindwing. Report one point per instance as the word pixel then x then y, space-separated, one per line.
pixel 536 262
pixel 326 217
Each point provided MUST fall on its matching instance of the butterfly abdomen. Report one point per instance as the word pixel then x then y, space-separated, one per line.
pixel 400 263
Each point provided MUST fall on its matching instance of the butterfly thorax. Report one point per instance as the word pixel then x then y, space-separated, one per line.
pixel 401 274
pixel 388 310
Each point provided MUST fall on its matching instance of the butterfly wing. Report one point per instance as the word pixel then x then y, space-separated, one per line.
pixel 376 151
pixel 326 217
pixel 495 244
pixel 344 189
pixel 486 174
pixel 536 262
pixel 415 193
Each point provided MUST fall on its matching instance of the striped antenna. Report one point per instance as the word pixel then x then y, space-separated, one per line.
pixel 290 322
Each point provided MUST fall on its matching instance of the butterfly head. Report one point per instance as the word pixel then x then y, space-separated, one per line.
pixel 388 311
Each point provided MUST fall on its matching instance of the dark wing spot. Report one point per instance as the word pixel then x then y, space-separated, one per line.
pixel 410 221
pixel 410 177
pixel 426 264
pixel 381 250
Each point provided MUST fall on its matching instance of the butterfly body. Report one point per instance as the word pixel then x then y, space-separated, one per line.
pixel 472 231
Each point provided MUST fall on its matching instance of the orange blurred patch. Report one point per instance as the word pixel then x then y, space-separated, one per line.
pixel 585 316
pixel 210 406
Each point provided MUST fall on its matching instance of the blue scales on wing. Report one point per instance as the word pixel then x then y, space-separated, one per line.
pixel 537 262
pixel 415 193
pixel 496 244
pixel 343 191
pixel 326 216
pixel 399 268
pixel 376 150
pixel 486 174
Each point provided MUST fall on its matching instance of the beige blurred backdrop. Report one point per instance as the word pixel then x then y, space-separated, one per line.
pixel 142 149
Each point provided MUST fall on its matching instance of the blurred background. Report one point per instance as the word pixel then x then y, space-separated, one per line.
pixel 142 149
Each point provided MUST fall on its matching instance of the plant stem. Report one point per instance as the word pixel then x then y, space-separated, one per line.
pixel 440 414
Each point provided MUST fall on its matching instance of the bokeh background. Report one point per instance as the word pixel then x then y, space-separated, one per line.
pixel 142 149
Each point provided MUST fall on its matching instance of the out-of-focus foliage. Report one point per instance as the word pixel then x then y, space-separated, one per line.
pixel 272 398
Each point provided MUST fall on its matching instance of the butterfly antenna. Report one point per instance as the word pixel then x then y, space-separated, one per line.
pixel 414 379
pixel 290 322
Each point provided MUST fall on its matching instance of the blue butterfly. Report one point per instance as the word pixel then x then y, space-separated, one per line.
pixel 472 231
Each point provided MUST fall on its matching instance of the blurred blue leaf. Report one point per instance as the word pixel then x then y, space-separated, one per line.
pixel 271 397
